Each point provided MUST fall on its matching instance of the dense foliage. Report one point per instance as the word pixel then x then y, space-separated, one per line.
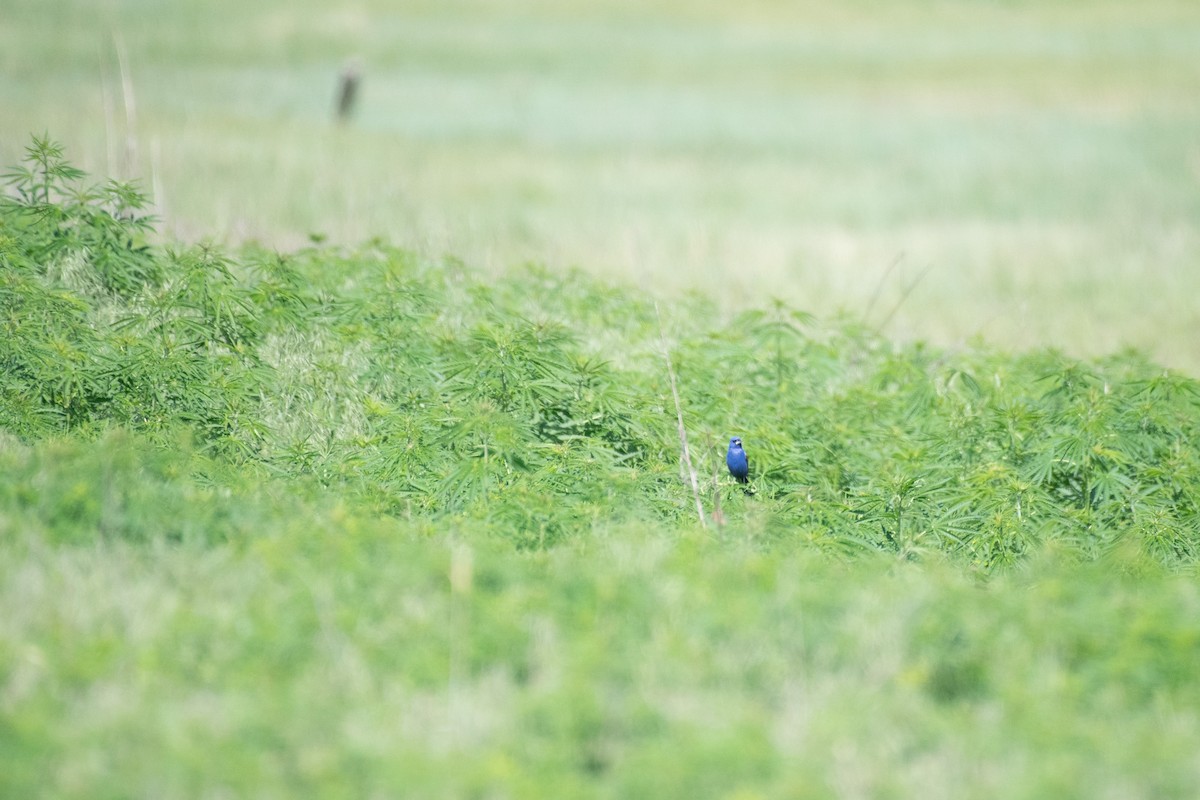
pixel 350 523
pixel 538 407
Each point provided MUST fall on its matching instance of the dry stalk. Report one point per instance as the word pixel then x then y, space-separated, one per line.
pixel 683 442
pixel 130 101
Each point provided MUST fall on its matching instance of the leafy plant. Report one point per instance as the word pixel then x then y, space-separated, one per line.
pixel 414 389
pixel 89 237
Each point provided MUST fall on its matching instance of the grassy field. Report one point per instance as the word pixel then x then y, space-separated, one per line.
pixel 1030 168
pixel 354 523
pixel 409 517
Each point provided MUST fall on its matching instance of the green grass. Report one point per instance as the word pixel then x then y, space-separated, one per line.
pixel 1036 162
pixel 353 522
pixel 323 654
pixel 364 519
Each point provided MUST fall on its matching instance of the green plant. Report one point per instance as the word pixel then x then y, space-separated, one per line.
pixel 91 237
pixel 419 390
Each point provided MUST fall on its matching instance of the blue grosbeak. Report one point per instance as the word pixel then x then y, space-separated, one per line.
pixel 735 459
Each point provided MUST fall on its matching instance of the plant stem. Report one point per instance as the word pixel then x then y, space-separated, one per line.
pixel 683 443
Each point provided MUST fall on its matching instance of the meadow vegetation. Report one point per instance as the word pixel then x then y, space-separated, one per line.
pixel 1031 168
pixel 342 460
pixel 351 521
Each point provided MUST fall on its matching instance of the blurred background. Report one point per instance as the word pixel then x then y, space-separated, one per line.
pixel 1025 172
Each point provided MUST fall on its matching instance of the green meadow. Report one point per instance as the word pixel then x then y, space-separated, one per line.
pixel 1030 168
pixel 385 457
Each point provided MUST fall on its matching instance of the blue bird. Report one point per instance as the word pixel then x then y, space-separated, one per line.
pixel 735 459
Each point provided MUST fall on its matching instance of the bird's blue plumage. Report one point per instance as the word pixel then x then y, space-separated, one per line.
pixel 735 459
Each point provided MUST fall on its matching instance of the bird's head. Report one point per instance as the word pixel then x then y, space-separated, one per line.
pixel 735 442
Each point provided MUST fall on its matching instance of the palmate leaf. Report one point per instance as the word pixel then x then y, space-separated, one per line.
pixel 966 379
pixel 471 480
pixel 1167 387
pixel 1110 486
pixel 24 413
pixel 44 173
pixel 1039 469
pixel 1070 450
pixel 21 181
pixel 1067 379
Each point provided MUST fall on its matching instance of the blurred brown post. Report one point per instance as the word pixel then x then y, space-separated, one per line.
pixel 348 90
